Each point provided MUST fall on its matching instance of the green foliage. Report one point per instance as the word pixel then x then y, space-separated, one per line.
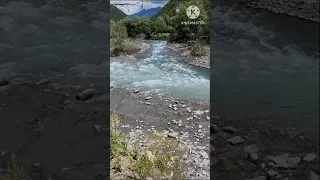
pixel 116 14
pixel 160 158
pixel 13 171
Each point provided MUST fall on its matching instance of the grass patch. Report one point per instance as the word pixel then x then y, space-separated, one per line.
pixel 13 171
pixel 199 49
pixel 125 48
pixel 160 157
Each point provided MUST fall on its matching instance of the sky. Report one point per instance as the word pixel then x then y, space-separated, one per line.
pixel 131 9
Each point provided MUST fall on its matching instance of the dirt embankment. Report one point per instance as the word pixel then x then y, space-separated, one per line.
pixel 184 50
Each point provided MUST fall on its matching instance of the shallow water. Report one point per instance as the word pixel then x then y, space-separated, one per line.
pixel 265 65
pixel 162 70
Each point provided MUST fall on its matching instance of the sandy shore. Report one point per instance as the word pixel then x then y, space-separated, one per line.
pixel 182 49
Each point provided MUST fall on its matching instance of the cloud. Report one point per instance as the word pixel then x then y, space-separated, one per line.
pixel 135 5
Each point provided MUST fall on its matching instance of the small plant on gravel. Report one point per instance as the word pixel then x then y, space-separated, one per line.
pixel 162 158
pixel 13 172
pixel 159 158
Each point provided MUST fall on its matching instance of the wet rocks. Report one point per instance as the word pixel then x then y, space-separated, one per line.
pixel 309 157
pixel 86 94
pixel 235 140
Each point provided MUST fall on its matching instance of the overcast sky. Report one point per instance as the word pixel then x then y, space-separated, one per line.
pixel 131 9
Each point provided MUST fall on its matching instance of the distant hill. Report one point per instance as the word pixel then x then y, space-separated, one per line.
pixel 116 14
pixel 170 8
pixel 148 13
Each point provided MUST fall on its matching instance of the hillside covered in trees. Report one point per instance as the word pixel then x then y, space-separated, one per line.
pixel 167 24
pixel 116 14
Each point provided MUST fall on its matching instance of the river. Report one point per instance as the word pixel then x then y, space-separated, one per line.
pixel 162 70
pixel 264 65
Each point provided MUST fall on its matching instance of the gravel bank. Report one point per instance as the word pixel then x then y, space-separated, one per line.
pixel 183 50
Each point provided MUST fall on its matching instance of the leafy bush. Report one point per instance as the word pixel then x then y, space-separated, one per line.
pixel 160 157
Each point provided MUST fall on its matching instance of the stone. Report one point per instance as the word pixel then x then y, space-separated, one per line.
pixel 294 161
pixel 258 178
pixel 97 128
pixel 254 156
pixel 309 157
pixel 173 134
pixel 272 173
pixel 235 140
pixel 204 154
pixel 281 160
pixel 189 109
pixel 4 82
pixel 313 176
pixel 86 94
pixel 200 126
pixel 214 128
pixel 136 91
pixel 175 108
pixel 199 112
pixel 148 98
pixel 208 118
pixel 229 129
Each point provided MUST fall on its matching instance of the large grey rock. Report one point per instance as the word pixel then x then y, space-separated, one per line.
pixel 294 161
pixel 86 94
pixel 281 160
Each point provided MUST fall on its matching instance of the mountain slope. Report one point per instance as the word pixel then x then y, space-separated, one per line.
pixel 148 13
pixel 170 8
pixel 116 14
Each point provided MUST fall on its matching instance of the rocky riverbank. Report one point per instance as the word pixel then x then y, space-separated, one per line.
pixel 138 48
pixel 184 50
pixel 302 9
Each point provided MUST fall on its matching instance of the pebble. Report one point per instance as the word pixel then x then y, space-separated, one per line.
pixel 148 98
pixel 204 154
pixel 97 128
pixel 309 157
pixel 254 156
pixel 229 129
pixel 86 94
pixel 272 173
pixel 235 140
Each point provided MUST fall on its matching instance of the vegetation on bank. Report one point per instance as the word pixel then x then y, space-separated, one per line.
pixel 159 157
pixel 13 171
pixel 166 25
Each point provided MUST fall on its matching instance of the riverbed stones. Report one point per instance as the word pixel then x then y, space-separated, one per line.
pixel 173 134
pixel 280 160
pixel 214 128
pixel 235 140
pixel 148 98
pixel 309 157
pixel 86 94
